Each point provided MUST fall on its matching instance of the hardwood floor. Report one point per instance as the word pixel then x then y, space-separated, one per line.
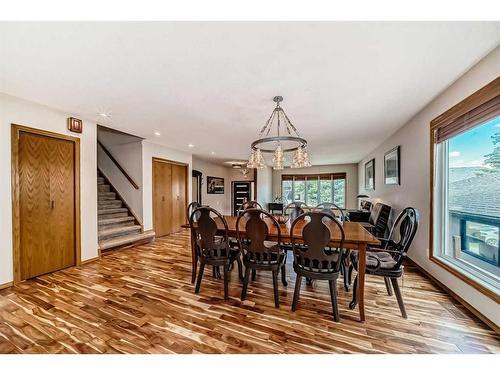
pixel 141 300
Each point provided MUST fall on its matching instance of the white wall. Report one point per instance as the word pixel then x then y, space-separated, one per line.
pixel 150 151
pixel 351 171
pixel 265 186
pixel 221 202
pixel 21 112
pixel 129 156
pixel 414 190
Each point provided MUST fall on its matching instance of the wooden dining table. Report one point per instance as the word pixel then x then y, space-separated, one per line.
pixel 356 237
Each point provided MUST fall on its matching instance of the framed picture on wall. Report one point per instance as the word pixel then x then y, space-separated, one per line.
pixel 370 175
pixel 215 185
pixel 392 174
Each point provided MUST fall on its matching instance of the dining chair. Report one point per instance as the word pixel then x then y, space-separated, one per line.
pixel 249 204
pixel 213 249
pixel 379 218
pixel 332 207
pixel 190 208
pixel 259 254
pixel 386 260
pixel 313 257
pixel 295 209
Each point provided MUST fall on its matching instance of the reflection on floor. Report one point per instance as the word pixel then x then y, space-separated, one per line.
pixel 141 300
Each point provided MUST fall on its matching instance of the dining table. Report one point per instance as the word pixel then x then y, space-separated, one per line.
pixel 356 238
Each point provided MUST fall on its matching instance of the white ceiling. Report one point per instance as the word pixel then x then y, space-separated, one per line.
pixel 347 85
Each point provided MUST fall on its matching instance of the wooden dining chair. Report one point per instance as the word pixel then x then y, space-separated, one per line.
pixel 190 208
pixel 249 204
pixel 313 257
pixel 337 211
pixel 259 254
pixel 386 260
pixel 295 209
pixel 213 249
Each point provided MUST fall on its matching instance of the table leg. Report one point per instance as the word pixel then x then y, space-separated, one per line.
pixel 361 280
pixel 194 257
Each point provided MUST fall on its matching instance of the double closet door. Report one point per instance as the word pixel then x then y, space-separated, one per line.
pixel 169 196
pixel 46 200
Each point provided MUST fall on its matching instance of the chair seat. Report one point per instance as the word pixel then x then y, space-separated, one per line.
pixel 274 259
pixel 386 260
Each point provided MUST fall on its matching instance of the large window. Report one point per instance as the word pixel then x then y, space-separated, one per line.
pixel 314 189
pixel 466 195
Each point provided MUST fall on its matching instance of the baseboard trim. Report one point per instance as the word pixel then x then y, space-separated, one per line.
pixel 6 285
pixel 90 260
pixel 468 306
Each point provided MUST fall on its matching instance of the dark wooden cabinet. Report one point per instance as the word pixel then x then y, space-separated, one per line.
pixel 358 215
pixel 275 208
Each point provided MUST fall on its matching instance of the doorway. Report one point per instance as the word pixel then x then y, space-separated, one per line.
pixel 241 191
pixel 46 201
pixel 169 196
pixel 196 186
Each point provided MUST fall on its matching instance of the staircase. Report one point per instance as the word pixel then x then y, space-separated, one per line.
pixel 117 226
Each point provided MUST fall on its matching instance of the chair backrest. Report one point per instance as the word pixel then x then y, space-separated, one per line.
pixel 253 244
pixel 296 209
pixel 249 204
pixel 379 218
pixel 314 253
pixel 204 231
pixel 403 231
pixel 331 208
pixel 190 208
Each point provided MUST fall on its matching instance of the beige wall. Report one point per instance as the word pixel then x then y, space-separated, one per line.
pixel 221 202
pixel 351 171
pixel 414 189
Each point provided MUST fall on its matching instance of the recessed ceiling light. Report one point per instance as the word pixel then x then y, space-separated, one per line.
pixel 213 152
pixel 157 133
pixel 190 145
pixel 104 115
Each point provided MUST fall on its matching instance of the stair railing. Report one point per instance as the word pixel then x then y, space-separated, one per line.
pixel 130 179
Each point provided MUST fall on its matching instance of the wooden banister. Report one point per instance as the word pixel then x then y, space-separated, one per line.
pixel 106 151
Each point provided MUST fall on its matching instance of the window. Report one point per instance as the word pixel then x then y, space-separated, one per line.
pixel 314 189
pixel 466 194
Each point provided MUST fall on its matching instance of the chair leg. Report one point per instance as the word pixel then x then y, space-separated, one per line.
pixel 346 278
pixel 388 286
pixel 283 275
pixel 226 282
pixel 296 292
pixel 254 275
pixel 200 275
pixel 333 296
pixel 354 301
pixel 349 274
pixel 399 297
pixel 275 288
pixel 240 267
pixel 245 284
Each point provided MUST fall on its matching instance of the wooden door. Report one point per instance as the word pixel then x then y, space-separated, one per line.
pixel 179 217
pixel 47 229
pixel 169 197
pixel 162 198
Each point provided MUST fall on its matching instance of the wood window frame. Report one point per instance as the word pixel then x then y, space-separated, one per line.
pixel 320 176
pixel 456 113
pixel 16 129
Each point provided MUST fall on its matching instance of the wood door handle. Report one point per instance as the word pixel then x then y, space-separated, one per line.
pixel 163 198
pixel 52 204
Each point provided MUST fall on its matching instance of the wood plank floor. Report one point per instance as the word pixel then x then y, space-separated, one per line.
pixel 141 300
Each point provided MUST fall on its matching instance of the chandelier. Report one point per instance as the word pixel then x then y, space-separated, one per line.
pixel 279 145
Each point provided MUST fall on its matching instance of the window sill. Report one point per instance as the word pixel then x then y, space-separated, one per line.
pixel 458 269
